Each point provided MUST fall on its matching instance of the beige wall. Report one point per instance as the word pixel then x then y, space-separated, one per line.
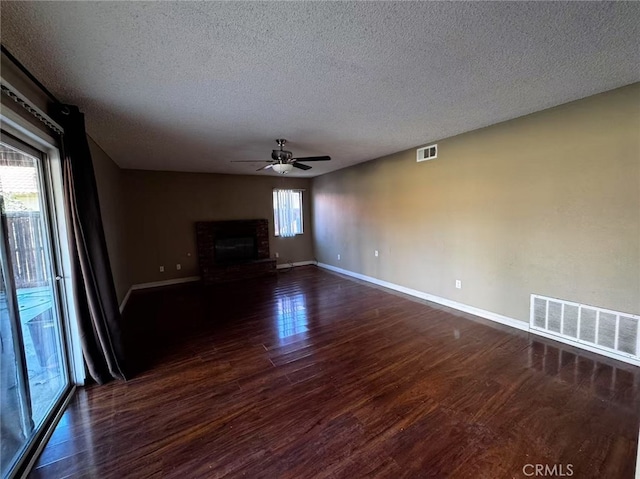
pixel 109 178
pixel 547 204
pixel 162 208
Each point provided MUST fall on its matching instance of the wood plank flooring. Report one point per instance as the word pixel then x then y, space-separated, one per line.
pixel 313 375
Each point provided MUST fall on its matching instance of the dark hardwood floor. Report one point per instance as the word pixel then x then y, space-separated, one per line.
pixel 310 374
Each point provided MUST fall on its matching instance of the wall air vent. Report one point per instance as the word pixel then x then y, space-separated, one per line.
pixel 616 334
pixel 427 153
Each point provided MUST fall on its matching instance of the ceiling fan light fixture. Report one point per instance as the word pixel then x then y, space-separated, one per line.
pixel 282 161
pixel 282 168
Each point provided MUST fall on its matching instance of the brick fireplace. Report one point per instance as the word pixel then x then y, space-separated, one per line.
pixel 233 250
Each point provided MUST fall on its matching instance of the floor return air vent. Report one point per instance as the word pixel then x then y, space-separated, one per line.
pixel 616 334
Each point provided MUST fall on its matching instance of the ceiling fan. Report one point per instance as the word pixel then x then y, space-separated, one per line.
pixel 282 161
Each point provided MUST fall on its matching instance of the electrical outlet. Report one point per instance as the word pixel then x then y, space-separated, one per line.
pixel 178 266
pixel 375 253
pixel 162 269
pixel 277 254
pixel 338 257
pixel 458 284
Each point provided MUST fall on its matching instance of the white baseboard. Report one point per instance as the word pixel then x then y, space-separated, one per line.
pixel 190 279
pixel 156 284
pixel 299 263
pixel 434 299
pixel 168 282
pixel 125 300
pixel 498 318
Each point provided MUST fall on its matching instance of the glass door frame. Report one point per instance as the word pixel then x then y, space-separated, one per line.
pixel 57 237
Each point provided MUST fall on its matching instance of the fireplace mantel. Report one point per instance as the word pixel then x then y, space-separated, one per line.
pixel 213 270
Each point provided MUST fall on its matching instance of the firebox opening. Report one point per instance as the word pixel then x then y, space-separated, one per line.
pixel 235 249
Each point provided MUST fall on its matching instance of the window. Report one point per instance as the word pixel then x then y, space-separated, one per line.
pixel 287 212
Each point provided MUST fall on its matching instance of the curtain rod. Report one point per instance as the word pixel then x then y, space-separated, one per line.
pixel 30 75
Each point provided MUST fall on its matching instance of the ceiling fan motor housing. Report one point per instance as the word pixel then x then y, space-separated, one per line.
pixel 281 155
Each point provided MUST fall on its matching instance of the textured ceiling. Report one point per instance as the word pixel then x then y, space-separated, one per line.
pixel 190 86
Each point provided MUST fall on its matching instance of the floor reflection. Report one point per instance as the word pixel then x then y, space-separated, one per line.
pixel 608 382
pixel 291 315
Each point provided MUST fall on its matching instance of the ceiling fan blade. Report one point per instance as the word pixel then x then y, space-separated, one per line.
pixel 250 161
pixel 301 166
pixel 314 158
pixel 265 167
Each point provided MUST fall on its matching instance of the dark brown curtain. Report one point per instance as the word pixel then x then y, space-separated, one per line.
pixel 96 302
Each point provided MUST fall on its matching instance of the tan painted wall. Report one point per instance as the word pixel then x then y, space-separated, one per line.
pixel 109 178
pixel 162 208
pixel 548 204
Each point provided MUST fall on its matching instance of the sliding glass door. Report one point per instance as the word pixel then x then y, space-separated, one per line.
pixel 33 365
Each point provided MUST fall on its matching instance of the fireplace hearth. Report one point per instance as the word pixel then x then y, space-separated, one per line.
pixel 233 250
